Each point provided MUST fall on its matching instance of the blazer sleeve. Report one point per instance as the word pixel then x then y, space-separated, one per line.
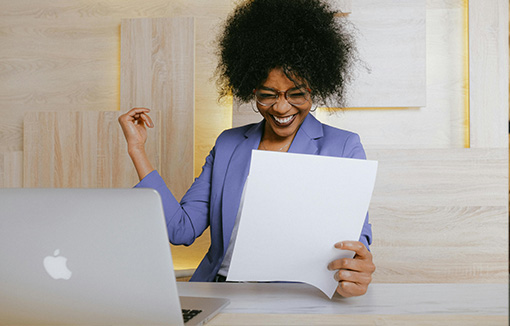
pixel 354 149
pixel 188 219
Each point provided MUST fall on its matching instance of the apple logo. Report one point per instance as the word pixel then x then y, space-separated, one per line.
pixel 56 266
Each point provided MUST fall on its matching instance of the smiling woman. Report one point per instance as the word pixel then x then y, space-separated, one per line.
pixel 283 56
pixel 283 114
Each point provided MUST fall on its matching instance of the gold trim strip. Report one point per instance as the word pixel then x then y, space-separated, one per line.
pixel 467 122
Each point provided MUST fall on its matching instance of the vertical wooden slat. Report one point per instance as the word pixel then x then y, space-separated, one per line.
pixel 157 71
pixel 11 169
pixel 136 63
pixel 488 77
pixel 38 149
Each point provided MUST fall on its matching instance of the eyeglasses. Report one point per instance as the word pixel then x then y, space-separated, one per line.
pixel 295 96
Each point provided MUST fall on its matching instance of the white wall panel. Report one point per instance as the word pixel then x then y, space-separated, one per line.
pixel 441 123
pixel 488 57
pixel 391 42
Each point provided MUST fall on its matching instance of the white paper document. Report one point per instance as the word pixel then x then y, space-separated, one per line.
pixel 295 208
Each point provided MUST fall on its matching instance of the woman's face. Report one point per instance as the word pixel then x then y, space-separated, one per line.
pixel 282 118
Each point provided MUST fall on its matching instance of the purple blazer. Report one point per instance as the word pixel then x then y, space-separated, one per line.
pixel 213 199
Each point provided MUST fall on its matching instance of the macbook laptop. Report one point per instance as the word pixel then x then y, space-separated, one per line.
pixel 89 257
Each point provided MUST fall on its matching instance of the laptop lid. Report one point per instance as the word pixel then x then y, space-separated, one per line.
pixel 86 257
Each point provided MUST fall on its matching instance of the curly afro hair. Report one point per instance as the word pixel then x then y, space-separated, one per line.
pixel 302 37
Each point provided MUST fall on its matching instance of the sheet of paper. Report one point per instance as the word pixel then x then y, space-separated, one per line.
pixel 295 208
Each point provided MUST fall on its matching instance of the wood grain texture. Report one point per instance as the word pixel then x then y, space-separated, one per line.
pixel 79 149
pixel 383 304
pixel 441 177
pixel 440 215
pixel 392 43
pixel 488 66
pixel 157 72
pixel 226 319
pixel 64 55
pixel 11 169
pixel 422 244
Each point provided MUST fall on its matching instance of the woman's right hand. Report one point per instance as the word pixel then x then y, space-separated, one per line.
pixel 134 124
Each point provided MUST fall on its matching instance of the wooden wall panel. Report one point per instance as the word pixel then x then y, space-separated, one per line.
pixel 64 55
pixel 79 149
pixel 443 177
pixel 157 72
pixel 441 124
pixel 11 169
pixel 440 216
pixel 488 66
pixel 392 43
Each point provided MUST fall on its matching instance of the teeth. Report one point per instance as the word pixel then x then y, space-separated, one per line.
pixel 283 120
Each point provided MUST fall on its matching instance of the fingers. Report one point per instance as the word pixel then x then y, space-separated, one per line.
pixel 146 119
pixel 133 124
pixel 137 116
pixel 348 289
pixel 362 260
pixel 352 264
pixel 356 246
pixel 352 283
pixel 353 277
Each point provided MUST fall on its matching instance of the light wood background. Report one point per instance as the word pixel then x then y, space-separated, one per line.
pixel 439 212
pixel 440 215
pixel 157 72
pixel 79 149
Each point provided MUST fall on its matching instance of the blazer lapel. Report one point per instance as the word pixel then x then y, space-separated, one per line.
pixel 235 177
pixel 307 136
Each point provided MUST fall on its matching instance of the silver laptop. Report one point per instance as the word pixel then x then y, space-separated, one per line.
pixel 89 257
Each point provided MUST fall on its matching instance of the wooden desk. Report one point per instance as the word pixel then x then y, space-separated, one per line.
pixel 384 304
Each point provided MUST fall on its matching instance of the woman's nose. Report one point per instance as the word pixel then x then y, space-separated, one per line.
pixel 282 105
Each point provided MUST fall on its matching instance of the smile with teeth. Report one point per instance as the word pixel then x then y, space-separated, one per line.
pixel 284 120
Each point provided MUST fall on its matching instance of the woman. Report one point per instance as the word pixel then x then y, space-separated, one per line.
pixel 281 55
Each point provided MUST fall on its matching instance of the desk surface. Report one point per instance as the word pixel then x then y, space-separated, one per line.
pixel 395 304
